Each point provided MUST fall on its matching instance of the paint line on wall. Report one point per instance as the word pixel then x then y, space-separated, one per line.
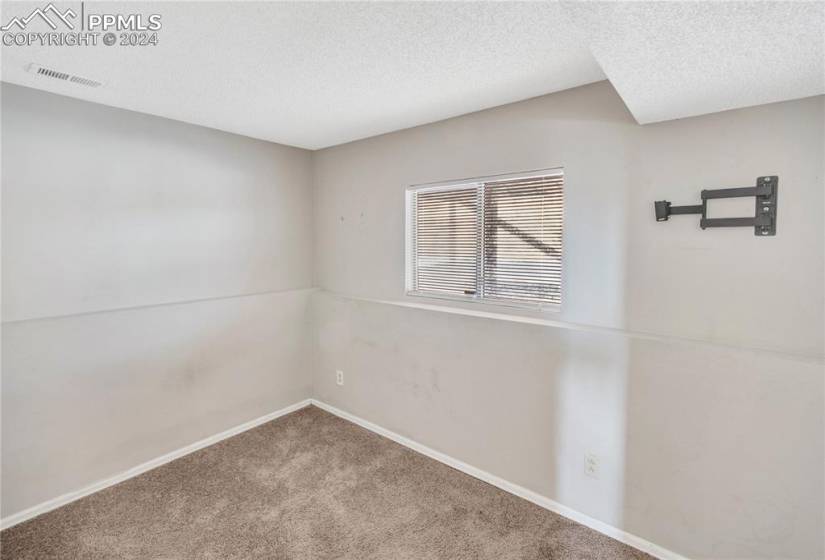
pixel 155 305
pixel 579 327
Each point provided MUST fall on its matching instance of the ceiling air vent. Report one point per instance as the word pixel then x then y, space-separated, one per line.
pixel 57 75
pixel 84 81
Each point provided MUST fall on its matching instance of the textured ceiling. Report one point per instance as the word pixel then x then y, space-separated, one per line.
pixel 678 59
pixel 318 74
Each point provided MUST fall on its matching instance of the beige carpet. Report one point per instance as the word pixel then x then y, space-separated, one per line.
pixel 306 486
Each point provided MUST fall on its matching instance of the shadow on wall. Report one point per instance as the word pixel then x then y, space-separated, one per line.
pixel 591 418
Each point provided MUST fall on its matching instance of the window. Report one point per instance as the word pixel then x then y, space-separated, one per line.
pixel 496 240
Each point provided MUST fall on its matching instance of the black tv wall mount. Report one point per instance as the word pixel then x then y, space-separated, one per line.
pixel 763 222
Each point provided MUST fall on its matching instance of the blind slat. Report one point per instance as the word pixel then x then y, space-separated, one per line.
pixel 523 240
pixel 446 240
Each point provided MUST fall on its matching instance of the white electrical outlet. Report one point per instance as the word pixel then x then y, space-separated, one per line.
pixel 339 377
pixel 591 465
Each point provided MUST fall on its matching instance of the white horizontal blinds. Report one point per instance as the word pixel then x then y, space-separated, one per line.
pixel 446 240
pixel 523 239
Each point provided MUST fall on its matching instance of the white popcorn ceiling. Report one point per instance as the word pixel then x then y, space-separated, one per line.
pixel 670 60
pixel 319 74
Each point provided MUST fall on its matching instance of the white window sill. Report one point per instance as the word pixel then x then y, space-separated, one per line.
pixel 505 310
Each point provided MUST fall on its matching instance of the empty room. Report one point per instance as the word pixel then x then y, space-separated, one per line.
pixel 412 280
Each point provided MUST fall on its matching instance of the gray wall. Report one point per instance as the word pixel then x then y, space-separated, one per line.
pixel 155 288
pixel 689 361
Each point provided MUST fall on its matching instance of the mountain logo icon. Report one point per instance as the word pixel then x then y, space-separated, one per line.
pixel 47 14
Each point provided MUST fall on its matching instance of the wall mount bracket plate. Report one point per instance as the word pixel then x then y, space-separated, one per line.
pixel 763 221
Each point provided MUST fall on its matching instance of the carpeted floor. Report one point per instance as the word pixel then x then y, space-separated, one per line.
pixel 306 486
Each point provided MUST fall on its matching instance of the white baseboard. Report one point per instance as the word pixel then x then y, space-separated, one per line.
pixel 55 503
pixel 543 501
pixel 546 503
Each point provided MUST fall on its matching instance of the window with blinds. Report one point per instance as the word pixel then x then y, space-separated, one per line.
pixel 494 240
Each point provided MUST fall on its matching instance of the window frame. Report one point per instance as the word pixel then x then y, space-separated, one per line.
pixel 476 300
